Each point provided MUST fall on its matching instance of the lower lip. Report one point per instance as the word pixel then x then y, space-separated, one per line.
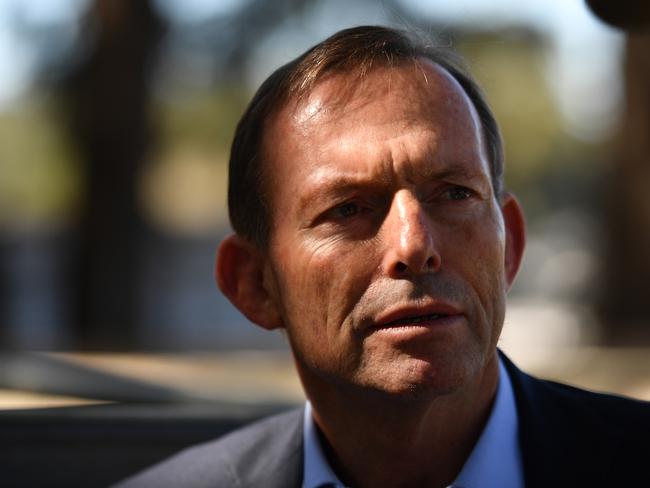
pixel 426 326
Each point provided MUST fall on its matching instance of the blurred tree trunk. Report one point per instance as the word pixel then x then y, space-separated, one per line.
pixel 4 294
pixel 625 303
pixel 108 94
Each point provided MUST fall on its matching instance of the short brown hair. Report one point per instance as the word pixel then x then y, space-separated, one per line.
pixel 357 50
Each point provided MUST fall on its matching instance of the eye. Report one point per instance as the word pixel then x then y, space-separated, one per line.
pixel 459 193
pixel 347 210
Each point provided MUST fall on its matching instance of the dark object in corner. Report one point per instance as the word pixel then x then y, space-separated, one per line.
pixel 95 446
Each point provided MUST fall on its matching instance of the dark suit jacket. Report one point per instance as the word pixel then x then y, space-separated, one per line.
pixel 568 437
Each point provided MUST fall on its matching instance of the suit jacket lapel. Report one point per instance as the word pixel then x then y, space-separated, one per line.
pixel 277 459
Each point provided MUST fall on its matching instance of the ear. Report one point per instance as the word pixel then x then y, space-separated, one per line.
pixel 243 275
pixel 515 227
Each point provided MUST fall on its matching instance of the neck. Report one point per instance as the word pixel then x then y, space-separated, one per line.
pixel 372 440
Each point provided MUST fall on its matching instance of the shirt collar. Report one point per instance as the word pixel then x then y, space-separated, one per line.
pixel 495 460
pixel 317 471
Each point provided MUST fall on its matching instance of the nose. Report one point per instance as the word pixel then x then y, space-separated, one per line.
pixel 408 234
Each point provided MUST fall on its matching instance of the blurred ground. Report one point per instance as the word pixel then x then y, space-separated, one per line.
pixel 253 376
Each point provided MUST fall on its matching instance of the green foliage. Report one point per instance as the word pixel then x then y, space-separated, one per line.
pixel 39 177
pixel 184 188
pixel 513 68
pixel 203 118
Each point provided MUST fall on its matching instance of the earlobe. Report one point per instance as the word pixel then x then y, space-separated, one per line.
pixel 515 227
pixel 240 272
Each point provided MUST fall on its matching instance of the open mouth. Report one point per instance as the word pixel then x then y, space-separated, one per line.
pixel 415 320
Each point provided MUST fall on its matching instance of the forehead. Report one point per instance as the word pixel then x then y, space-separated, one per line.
pixel 413 91
pixel 346 121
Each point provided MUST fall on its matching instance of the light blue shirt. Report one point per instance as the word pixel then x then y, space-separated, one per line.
pixel 495 461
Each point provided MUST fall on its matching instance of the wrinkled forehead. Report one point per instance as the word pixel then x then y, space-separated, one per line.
pixel 413 92
pixel 344 109
pixel 414 89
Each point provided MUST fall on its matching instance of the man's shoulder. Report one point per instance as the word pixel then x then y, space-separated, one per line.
pixel 268 451
pixel 606 405
pixel 621 415
pixel 277 430
pixel 582 437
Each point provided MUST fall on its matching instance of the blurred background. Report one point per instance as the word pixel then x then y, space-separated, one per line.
pixel 116 118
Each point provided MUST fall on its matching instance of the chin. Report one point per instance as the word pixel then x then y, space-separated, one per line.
pixel 420 378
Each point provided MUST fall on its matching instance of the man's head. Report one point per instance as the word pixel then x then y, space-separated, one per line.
pixel 357 52
pixel 386 244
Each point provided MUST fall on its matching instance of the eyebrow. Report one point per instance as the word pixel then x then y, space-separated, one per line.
pixel 323 187
pixel 337 187
pixel 457 171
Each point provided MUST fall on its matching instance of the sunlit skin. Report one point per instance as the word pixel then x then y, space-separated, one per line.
pixel 388 264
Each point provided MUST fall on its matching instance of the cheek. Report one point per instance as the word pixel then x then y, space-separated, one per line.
pixel 479 254
pixel 484 247
pixel 320 285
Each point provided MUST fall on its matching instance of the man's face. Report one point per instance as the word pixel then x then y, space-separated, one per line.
pixel 387 246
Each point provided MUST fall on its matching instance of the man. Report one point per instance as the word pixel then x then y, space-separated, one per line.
pixel 371 224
